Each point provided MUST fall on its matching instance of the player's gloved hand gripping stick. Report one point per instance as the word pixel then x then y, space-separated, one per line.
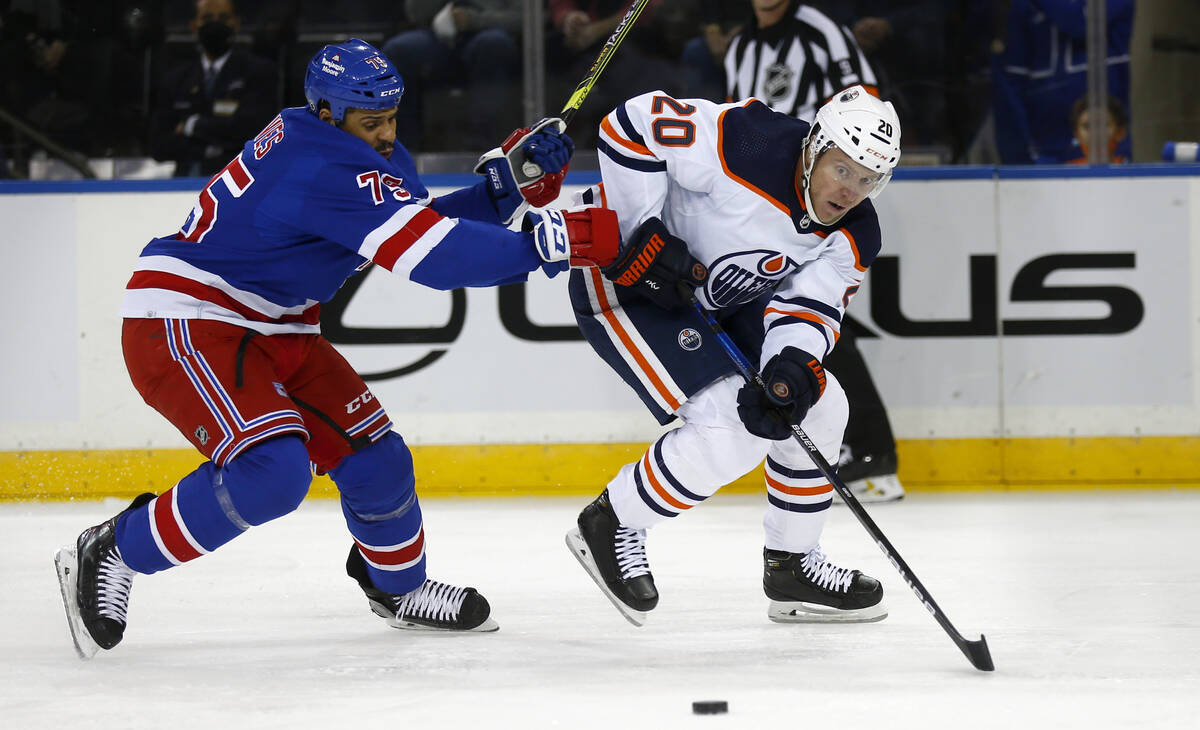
pixel 976 651
pixel 532 155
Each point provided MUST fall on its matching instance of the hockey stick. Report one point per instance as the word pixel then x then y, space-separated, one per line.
pixel 606 53
pixel 976 651
pixel 528 171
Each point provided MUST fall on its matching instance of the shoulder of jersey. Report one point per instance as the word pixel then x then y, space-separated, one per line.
pixel 329 149
pixel 759 148
pixel 861 226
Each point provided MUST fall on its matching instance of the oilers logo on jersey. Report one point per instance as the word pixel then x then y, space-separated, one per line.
pixel 741 276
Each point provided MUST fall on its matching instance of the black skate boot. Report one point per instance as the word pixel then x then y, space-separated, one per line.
pixel 433 606
pixel 95 584
pixel 615 557
pixel 805 588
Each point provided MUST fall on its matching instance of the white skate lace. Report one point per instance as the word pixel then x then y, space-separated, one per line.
pixel 114 579
pixel 433 600
pixel 630 546
pixel 825 574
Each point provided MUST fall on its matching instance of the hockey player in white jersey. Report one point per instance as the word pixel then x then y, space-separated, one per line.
pixel 767 219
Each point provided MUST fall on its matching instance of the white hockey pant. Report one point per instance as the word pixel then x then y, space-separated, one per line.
pixel 712 448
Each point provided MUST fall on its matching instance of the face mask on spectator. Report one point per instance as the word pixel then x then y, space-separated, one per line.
pixel 215 38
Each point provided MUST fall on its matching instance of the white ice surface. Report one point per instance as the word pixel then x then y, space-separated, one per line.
pixel 1090 602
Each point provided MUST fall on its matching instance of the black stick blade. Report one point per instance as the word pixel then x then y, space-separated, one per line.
pixel 978 654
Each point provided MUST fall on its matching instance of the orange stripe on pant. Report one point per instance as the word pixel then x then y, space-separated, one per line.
pixel 658 488
pixel 627 341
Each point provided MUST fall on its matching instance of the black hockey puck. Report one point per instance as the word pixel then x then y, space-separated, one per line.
pixel 714 707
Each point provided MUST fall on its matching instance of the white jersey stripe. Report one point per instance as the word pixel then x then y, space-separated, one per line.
pixel 419 250
pixel 179 267
pixel 376 238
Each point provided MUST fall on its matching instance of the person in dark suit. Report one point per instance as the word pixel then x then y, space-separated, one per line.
pixel 210 105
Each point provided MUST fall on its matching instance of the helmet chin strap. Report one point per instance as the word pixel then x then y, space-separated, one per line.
pixel 807 166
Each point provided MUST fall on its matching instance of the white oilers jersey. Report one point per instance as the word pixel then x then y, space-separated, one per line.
pixel 723 178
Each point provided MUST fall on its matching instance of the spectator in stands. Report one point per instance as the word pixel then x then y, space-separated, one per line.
pixel 67 74
pixel 703 57
pixel 1044 70
pixel 210 105
pixel 471 46
pixel 1116 127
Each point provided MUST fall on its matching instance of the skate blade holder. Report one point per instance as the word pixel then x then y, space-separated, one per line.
pixel 800 612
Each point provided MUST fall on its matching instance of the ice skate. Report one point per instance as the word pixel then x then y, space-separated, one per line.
pixel 870 478
pixel 95 584
pixel 615 557
pixel 806 588
pixel 433 606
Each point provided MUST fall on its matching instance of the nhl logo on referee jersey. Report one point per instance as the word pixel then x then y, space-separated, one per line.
pixel 778 82
pixel 689 339
pixel 201 435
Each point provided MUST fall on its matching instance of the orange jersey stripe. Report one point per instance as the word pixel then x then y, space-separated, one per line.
pixel 626 143
pixel 802 315
pixel 658 487
pixel 854 247
pixel 606 310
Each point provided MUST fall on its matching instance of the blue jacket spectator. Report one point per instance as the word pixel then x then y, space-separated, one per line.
pixel 1043 70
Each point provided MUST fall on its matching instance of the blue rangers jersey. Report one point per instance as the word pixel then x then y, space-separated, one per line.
pixel 723 178
pixel 301 208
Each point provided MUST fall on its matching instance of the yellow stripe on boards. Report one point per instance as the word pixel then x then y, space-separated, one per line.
pixel 535 470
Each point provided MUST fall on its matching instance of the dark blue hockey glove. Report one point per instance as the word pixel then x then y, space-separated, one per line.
pixel 548 148
pixel 795 380
pixel 657 265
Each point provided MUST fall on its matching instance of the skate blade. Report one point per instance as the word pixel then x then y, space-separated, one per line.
pixel 799 612
pixel 66 565
pixel 488 625
pixel 579 548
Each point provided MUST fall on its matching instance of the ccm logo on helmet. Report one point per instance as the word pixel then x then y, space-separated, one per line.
pixel 389 92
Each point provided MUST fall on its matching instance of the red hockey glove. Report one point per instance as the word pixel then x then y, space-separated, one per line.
pixel 795 380
pixel 537 158
pixel 585 236
pixel 657 265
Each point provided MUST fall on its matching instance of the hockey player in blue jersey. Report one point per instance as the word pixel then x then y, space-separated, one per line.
pixel 221 336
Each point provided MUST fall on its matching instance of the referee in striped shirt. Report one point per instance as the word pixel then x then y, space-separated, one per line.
pixel 793 57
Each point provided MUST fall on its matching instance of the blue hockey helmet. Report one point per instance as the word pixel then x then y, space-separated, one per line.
pixel 351 74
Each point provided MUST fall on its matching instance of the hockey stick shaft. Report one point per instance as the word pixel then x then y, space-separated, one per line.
pixel 575 101
pixel 976 651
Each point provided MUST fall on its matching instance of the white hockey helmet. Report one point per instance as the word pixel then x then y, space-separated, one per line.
pixel 862 126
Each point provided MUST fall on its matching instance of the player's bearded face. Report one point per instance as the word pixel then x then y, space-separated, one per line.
pixel 838 183
pixel 375 127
